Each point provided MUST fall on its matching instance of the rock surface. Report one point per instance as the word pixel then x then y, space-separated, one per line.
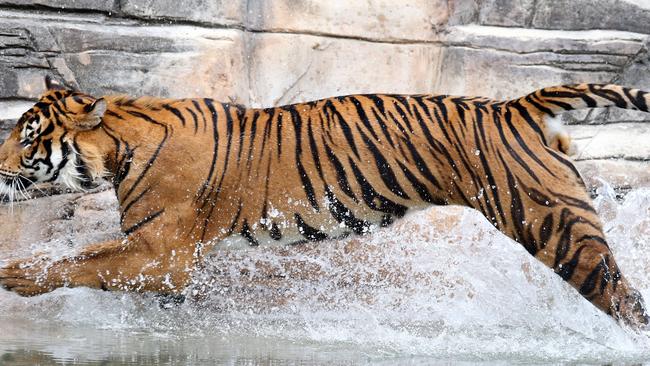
pixel 266 53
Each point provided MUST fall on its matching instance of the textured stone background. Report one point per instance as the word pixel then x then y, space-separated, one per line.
pixel 266 53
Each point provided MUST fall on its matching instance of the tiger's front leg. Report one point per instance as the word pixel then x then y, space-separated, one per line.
pixel 126 264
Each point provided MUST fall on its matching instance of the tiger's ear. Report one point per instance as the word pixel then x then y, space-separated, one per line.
pixel 51 84
pixel 91 116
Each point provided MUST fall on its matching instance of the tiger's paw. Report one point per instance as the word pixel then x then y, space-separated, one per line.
pixel 28 277
pixel 631 310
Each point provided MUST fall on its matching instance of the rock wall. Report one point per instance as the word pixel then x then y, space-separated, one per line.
pixel 266 53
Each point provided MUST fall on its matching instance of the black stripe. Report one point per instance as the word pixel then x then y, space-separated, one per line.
pixel 517 212
pixel 123 166
pixel 304 177
pixel 310 233
pixel 343 214
pixel 275 232
pixel 314 150
pixel 420 188
pixel 229 133
pixel 233 224
pixel 524 145
pixel 143 222
pixel 246 233
pixel 176 112
pixel 567 269
pixel 198 108
pixel 341 176
pixel 251 143
pixel 638 101
pixel 575 202
pixel 267 129
pixel 153 157
pixel 215 138
pixel 609 95
pixel 567 163
pixel 385 172
pixel 545 230
pixel 126 209
pixel 242 134
pixel 404 116
pixel 383 127
pixel 374 200
pixel 421 164
pixel 194 118
pixel 534 103
pixel 363 116
pixel 589 284
pixel 506 143
pixel 488 174
pixel 347 131
pixel 531 122
pixel 564 243
pixel 591 102
pixel 279 133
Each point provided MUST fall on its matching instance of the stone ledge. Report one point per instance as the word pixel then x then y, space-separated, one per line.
pixel 525 40
pixel 381 20
pixel 486 61
pixel 630 141
pixel 292 68
pixel 116 58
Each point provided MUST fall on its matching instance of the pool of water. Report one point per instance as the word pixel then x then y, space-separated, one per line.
pixel 441 286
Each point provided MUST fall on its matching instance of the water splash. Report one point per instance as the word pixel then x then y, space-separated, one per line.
pixel 439 285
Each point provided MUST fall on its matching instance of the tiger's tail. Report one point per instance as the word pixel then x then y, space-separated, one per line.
pixel 557 99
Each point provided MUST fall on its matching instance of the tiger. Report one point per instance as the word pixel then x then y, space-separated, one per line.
pixel 190 174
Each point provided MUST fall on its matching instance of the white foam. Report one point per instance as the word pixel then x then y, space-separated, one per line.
pixel 465 294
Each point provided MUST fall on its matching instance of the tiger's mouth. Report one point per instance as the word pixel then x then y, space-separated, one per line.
pixel 13 186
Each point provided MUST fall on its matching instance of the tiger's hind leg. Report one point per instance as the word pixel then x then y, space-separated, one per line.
pixel 563 231
pixel 551 215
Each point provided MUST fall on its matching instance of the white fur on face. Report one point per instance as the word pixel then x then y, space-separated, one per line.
pixel 69 174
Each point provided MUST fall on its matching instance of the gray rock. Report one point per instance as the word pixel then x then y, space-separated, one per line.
pixel 99 5
pixel 509 13
pixel 119 58
pixel 485 60
pixel 216 12
pixel 462 12
pixel 630 15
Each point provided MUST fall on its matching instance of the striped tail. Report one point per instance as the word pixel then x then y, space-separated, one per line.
pixel 557 99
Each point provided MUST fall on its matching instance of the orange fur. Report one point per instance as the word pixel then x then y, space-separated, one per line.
pixel 190 173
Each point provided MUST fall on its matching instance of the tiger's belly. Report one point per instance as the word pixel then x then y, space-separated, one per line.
pixel 281 229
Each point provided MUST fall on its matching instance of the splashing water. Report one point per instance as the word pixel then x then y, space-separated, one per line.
pixel 439 285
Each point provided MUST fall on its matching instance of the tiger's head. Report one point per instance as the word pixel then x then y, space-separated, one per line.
pixel 42 147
